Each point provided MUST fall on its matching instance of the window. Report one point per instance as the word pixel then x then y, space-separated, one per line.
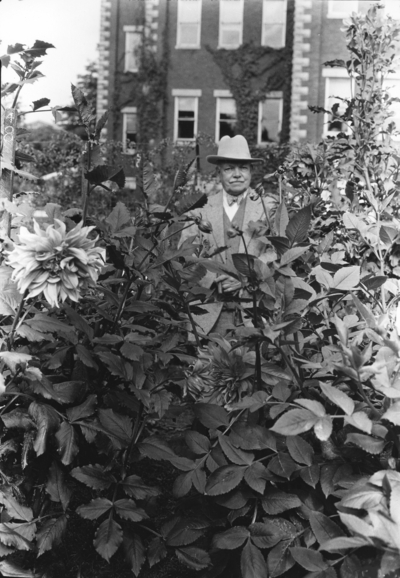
pixel 274 23
pixel 337 87
pixel 270 118
pixel 392 8
pixel 341 8
pixel 189 24
pixel 133 39
pixel 129 130
pixel 393 87
pixel 230 23
pixel 226 114
pixel 186 114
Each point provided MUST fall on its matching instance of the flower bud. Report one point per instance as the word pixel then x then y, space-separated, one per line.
pixel 232 232
pixel 205 226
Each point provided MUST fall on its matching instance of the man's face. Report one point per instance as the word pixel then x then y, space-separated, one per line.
pixel 235 177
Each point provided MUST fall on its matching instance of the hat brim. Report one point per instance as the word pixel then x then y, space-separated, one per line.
pixel 215 159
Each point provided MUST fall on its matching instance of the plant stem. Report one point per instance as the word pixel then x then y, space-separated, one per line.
pixel 85 196
pixel 10 338
pixel 193 324
pixel 122 304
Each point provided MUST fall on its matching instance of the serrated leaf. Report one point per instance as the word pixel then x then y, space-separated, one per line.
pixel 182 485
pixel 11 570
pixel 108 538
pixel 94 476
pixel 231 539
pixel 367 443
pixel 95 508
pixel 46 420
pixel 252 437
pixel 118 425
pixel 101 123
pixel 309 559
pixel 256 477
pixel 323 428
pixel 276 502
pixel 310 475
pixel 56 486
pixel 294 422
pixel 280 559
pixel 292 254
pixel 85 356
pixel 346 278
pixel 300 450
pixel 390 562
pixel 252 562
pixel 224 479
pixel 135 553
pixel 361 421
pixel 393 413
pixel 282 465
pixel 38 48
pixel 40 103
pixel 128 510
pixel 362 497
pixel 351 567
pixel 191 202
pixel 156 551
pixel 195 558
pixel 15 48
pixel 323 527
pixel 265 535
pixel 281 219
pixel 85 409
pixel 114 363
pixel 343 543
pixel 338 397
pixel 135 487
pixel 67 443
pixel 235 455
pixel 14 509
pixel 14 359
pixel 211 416
pixel 197 442
pixel 51 534
pixel 297 229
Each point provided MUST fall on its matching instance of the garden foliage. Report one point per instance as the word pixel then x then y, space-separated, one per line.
pixel 287 460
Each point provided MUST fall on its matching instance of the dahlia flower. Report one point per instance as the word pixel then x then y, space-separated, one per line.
pixel 54 262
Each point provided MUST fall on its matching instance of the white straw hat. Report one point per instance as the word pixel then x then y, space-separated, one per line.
pixel 233 149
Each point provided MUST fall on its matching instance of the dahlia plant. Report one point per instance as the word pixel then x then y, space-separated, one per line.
pixel 55 263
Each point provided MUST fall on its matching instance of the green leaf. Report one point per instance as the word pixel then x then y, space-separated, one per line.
pixel 367 443
pixel 224 479
pixel 323 428
pixel 182 485
pixel 191 202
pixel 343 543
pixel 135 553
pixel 193 557
pixel 374 283
pixel 265 535
pixel 114 363
pixel 276 502
pixel 67 443
pixel 86 409
pixel 243 263
pixel 351 567
pixel 197 442
pixel 346 278
pixel 309 559
pixel 120 426
pixel 361 421
pixel 85 356
pixel 252 437
pixel 135 487
pixel 280 559
pixel 256 477
pixel 211 416
pixel 15 48
pixel 235 455
pixel 11 570
pixel 94 476
pixel 15 360
pixel 56 486
pixel 156 551
pixel 95 508
pixel 393 413
pixel 51 534
pixel 338 397
pixel 294 422
pixel 311 475
pixel 292 254
pixel 127 509
pixel 315 406
pixel 108 538
pixel 46 420
pixel 78 321
pixel 103 173
pixel 282 465
pixel 300 450
pixel 252 563
pixel 323 527
pixel 40 103
pixel 39 48
pixel 14 509
pixel 183 531
pixel 281 219
pixel 101 123
pixel 390 562
pixel 298 226
pixel 231 539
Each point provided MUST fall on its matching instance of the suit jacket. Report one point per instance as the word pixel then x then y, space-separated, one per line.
pixel 213 212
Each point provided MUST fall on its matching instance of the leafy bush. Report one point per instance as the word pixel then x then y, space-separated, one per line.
pixel 283 435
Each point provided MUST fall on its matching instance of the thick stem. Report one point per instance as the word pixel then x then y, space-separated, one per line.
pixel 10 338
pixel 121 304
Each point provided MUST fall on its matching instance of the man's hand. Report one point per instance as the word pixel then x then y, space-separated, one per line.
pixel 228 284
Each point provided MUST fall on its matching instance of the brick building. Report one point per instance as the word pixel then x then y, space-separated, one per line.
pixel 176 68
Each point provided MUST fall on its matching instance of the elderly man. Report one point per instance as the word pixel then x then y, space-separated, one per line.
pixel 231 208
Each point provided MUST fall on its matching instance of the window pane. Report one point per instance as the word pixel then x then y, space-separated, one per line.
pixel 274 11
pixel 273 35
pixel 337 87
pixel 227 106
pixel 230 35
pixel 185 129
pixel 188 34
pixel 342 7
pixel 186 105
pixel 189 10
pixel 270 119
pixel 393 86
pixel 133 40
pixel 231 11
pixel 131 122
pixel 227 117
pixel 392 8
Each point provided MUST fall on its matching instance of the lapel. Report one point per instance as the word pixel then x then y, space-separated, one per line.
pixel 253 212
pixel 215 214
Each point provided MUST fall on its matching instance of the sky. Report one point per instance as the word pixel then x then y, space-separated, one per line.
pixel 72 26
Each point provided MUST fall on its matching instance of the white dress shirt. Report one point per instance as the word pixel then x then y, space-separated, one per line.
pixel 231 210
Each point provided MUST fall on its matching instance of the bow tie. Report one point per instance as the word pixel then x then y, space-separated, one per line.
pixel 232 200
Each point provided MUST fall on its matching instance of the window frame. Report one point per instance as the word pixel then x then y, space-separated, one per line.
pixel 178 93
pixel 179 44
pixel 284 24
pixel 230 47
pixel 272 95
pixel 220 95
pixel 125 111
pixel 136 30
pixel 340 15
pixel 327 74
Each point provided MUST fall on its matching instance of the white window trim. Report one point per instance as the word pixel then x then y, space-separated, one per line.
pixel 130 28
pixel 179 45
pixel 241 31
pixel 124 111
pixel 130 183
pixel 328 73
pixel 219 97
pixel 278 94
pixel 177 92
pixel 337 15
pixel 264 20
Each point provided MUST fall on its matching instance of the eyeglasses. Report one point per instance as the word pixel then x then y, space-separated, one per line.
pixel 230 169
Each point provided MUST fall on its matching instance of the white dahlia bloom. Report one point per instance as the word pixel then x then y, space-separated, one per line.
pixel 56 263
